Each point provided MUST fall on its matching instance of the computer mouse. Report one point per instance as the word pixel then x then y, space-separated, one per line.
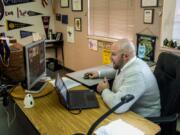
pixel 86 75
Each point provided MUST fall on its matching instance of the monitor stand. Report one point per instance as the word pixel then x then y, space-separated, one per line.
pixel 38 87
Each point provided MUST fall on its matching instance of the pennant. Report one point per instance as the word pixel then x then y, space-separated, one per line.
pixel 44 3
pixel 11 25
pixel 24 34
pixel 45 20
pixel 14 2
pixel 1 10
pixel 33 13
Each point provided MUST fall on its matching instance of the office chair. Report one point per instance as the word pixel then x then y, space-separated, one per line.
pixel 167 73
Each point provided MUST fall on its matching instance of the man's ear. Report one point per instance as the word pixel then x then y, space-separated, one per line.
pixel 126 57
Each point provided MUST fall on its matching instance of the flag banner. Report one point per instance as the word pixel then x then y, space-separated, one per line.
pixel 33 13
pixel 1 10
pixel 11 25
pixel 45 20
pixel 14 2
pixel 24 34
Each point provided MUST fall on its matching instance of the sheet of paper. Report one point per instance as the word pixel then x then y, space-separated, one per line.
pixel 68 82
pixel 118 127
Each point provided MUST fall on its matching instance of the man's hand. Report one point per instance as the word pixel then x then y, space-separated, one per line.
pixel 91 75
pixel 103 85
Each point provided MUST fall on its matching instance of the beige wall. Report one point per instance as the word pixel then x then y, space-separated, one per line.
pixel 78 56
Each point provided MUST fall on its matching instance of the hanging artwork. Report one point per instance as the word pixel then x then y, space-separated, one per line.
pixel 1 10
pixel 70 34
pixel 146 47
pixel 11 25
pixel 24 34
pixel 46 20
pixel 14 2
pixel 93 44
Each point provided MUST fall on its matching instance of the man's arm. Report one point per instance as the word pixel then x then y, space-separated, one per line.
pixel 133 84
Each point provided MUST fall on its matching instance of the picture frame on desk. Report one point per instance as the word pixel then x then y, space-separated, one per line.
pixel 149 3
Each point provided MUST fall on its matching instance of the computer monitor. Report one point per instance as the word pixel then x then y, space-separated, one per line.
pixel 35 63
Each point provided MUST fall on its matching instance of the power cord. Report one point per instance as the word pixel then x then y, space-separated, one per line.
pixel 10 122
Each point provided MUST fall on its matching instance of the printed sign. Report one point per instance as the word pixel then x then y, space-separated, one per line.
pixel 106 55
pixel 14 2
pixel 45 20
pixel 11 25
pixel 24 34
pixel 93 44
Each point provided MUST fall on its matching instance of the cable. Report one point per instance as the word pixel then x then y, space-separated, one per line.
pixel 10 122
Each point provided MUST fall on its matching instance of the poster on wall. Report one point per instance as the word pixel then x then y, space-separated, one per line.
pixel 93 44
pixel 46 20
pixel 24 34
pixel 11 25
pixel 106 56
pixel 1 10
pixel 14 2
pixel 146 47
pixel 70 34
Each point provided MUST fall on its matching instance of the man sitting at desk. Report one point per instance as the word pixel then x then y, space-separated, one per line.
pixel 131 76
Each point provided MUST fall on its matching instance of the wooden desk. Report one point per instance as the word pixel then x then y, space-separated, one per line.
pixel 56 44
pixel 49 117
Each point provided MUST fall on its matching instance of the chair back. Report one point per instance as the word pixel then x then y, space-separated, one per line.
pixel 167 73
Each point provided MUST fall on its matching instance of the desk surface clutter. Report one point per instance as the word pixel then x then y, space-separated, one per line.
pixel 49 117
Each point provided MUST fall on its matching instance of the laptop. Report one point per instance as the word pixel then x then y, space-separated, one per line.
pixel 75 99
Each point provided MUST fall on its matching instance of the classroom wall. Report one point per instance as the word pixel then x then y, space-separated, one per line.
pixel 78 55
pixel 19 13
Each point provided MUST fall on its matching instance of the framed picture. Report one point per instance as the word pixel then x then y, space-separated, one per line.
pixel 77 5
pixel 149 3
pixel 146 47
pixel 59 36
pixel 77 24
pixel 148 16
pixel 64 3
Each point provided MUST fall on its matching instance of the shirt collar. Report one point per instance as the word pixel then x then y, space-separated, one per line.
pixel 128 63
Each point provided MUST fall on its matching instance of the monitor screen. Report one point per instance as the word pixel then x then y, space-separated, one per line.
pixel 35 62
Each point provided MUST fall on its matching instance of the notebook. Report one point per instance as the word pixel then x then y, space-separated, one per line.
pixel 75 99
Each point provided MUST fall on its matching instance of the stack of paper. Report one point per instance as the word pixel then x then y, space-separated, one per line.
pixel 68 82
pixel 118 127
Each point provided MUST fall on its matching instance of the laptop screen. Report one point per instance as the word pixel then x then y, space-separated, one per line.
pixel 61 87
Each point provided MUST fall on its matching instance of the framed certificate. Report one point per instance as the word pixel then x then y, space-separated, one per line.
pixel 149 3
pixel 77 24
pixel 77 5
pixel 148 16
pixel 64 3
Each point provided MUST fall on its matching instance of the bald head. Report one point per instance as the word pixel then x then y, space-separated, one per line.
pixel 121 52
pixel 126 46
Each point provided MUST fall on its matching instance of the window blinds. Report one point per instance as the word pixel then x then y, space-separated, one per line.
pixel 111 18
pixel 176 27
